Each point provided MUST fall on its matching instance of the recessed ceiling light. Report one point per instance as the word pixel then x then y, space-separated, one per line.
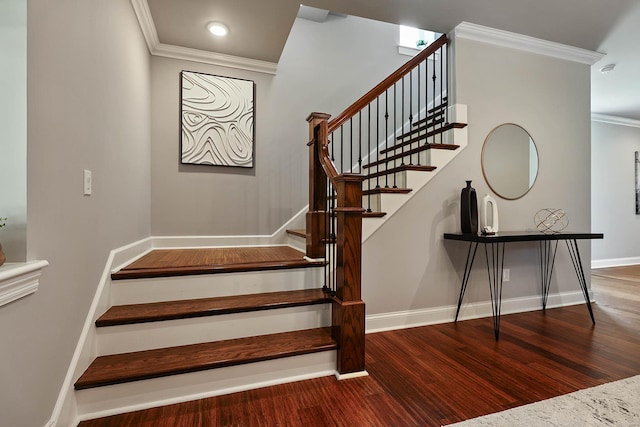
pixel 217 29
pixel 607 68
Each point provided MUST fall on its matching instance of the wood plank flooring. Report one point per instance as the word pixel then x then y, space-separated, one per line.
pixel 435 375
pixel 178 262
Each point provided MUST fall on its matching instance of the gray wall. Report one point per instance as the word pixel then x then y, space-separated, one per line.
pixel 13 128
pixel 613 191
pixel 407 265
pixel 88 107
pixel 324 67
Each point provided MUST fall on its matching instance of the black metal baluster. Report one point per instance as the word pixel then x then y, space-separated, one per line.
pixel 369 154
pixel 386 135
pixel 360 141
pixel 441 93
pixel 395 128
pixel 333 158
pixel 342 149
pixel 426 99
pixel 418 107
pixel 378 142
pixel 446 71
pixel 434 78
pixel 402 122
pixel 411 113
pixel 351 144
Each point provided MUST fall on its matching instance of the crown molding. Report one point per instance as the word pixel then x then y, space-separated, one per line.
pixel 466 30
pixel 213 58
pixel 615 120
pixel 148 27
pixel 145 20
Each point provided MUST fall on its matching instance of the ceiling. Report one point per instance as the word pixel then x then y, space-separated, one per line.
pixel 259 30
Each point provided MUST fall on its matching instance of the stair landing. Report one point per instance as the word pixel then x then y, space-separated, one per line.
pixel 182 262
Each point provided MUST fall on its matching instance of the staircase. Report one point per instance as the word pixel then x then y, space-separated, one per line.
pixel 185 324
pixel 191 323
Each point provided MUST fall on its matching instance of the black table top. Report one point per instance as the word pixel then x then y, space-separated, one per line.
pixel 520 236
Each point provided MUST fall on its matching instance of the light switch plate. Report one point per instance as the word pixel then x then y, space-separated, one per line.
pixel 87 182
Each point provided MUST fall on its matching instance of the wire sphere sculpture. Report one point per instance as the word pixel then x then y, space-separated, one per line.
pixel 551 220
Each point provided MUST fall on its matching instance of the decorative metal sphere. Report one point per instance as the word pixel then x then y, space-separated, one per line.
pixel 551 220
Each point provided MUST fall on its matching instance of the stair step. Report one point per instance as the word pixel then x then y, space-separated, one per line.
pixel 383 190
pixel 184 262
pixel 423 136
pixel 415 150
pixel 401 169
pixel 141 365
pixel 373 214
pixel 424 125
pixel 434 112
pixel 297 232
pixel 184 309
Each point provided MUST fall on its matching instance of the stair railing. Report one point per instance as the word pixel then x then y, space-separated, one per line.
pixel 375 126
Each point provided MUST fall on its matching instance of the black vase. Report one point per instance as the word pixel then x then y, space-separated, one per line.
pixel 469 210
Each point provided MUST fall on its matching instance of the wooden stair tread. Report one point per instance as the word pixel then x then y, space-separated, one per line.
pixel 140 365
pixel 401 169
pixel 183 309
pixel 183 262
pixel 422 137
pixel 421 127
pixel 415 150
pixel 373 214
pixel 297 232
pixel 383 190
pixel 434 112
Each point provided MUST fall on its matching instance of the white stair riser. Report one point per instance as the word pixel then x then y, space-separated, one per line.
pixel 136 395
pixel 171 333
pixel 300 243
pixel 213 285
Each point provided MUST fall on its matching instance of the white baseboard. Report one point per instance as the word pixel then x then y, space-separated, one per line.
pixel 614 262
pixel 341 377
pixel 278 237
pixel 432 316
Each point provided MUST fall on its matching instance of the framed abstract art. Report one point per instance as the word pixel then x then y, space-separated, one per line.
pixel 217 120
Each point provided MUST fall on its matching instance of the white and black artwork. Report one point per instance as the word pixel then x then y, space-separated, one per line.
pixel 217 120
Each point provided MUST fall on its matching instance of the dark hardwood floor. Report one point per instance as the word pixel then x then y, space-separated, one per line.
pixel 435 375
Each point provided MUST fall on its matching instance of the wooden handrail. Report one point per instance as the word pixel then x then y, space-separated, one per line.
pixel 386 83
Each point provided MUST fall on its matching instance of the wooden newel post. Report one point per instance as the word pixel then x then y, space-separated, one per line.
pixel 316 217
pixel 347 316
pixel 348 308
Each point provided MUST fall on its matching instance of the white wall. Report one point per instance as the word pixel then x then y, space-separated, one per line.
pixel 406 263
pixel 13 128
pixel 324 67
pixel 88 107
pixel 613 210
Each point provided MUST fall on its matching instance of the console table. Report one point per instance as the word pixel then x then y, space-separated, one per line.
pixel 494 248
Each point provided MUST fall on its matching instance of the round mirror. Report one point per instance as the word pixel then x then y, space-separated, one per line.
pixel 509 161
